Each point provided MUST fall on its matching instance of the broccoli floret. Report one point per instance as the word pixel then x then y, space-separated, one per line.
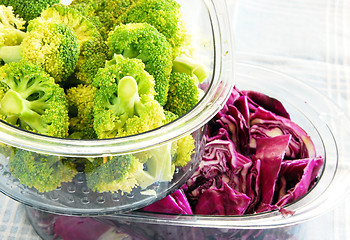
pixel 31 100
pixel 28 9
pixel 11 34
pixel 54 46
pixel 183 93
pixel 124 103
pixel 164 15
pixel 43 172
pixel 6 151
pixel 51 45
pixel 143 41
pixel 103 13
pixel 87 10
pixel 159 164
pixel 93 50
pixel 169 116
pixel 81 104
pixel 113 174
pixel 182 150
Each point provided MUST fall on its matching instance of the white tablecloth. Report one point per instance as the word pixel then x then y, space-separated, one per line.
pixel 306 39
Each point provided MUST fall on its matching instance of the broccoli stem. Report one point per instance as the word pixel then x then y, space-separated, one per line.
pixel 12 103
pixel 11 53
pixel 187 65
pixel 128 94
pixel 15 107
pixel 159 165
pixel 33 120
pixel 20 35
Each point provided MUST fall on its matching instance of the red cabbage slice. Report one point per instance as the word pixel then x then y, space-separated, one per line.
pixel 236 122
pixel 271 152
pixel 222 201
pixel 264 124
pixel 302 173
pixel 175 203
pixel 258 99
pixel 72 228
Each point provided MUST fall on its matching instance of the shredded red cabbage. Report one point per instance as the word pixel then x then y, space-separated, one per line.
pixel 256 159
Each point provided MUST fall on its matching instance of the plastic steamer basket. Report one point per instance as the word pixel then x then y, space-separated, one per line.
pixel 208 22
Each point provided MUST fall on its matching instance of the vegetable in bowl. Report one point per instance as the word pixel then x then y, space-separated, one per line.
pixel 64 77
pixel 256 159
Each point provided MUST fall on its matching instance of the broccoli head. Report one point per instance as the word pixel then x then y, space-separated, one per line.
pixel 103 13
pixel 118 173
pixel 182 150
pixel 43 172
pixel 81 105
pixel 124 102
pixel 93 49
pixel 183 93
pixel 51 45
pixel 31 100
pixel 143 41
pixel 28 9
pixel 164 15
pixel 11 33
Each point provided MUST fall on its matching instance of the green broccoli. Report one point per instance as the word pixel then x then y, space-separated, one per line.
pixel 124 102
pixel 81 104
pixel 183 93
pixel 113 174
pixel 6 151
pixel 164 15
pixel 159 163
pixel 96 69
pixel 169 116
pixel 51 45
pixel 43 172
pixel 11 33
pixel 125 172
pixel 191 66
pixel 103 13
pixel 143 41
pixel 93 50
pixel 182 150
pixel 28 9
pixel 31 100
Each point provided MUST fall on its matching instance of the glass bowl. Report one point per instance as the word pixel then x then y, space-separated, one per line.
pixel 327 126
pixel 208 23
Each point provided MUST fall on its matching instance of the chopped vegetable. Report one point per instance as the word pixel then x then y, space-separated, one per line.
pixel 255 160
pixel 93 70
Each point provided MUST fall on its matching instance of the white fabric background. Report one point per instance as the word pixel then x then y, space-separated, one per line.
pixel 306 39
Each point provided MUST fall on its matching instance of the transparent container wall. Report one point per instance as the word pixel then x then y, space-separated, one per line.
pixel 52 226
pixel 143 167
